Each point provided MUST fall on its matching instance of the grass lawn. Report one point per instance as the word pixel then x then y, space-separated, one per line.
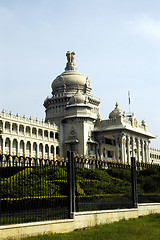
pixel 142 228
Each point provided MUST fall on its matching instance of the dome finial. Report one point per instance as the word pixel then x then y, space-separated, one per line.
pixel 70 58
pixel 116 105
pixel 116 112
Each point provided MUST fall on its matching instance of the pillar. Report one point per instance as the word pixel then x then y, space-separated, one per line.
pixel 3 145
pixel 138 150
pixel 128 149
pixel 10 147
pixel 142 149
pixel 122 145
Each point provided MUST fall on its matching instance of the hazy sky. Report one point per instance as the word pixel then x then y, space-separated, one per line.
pixel 117 45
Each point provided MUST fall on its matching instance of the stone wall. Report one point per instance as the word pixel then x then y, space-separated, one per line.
pixel 80 220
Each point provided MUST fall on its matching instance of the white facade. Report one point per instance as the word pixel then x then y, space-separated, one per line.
pixel 73 123
pixel 27 137
pixel 122 137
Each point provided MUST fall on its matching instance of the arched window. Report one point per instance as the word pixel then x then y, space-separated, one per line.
pixel 52 152
pixel 28 149
pixel 14 128
pixel 34 132
pixel 21 148
pixel 1 124
pixel 1 144
pixel 21 129
pixel 35 149
pixel 56 136
pixel 14 147
pixel 51 134
pixel 40 133
pixel 57 152
pixel 41 150
pixel 28 131
pixel 7 126
pixel 52 149
pixel 46 151
pixel 7 145
pixel 46 133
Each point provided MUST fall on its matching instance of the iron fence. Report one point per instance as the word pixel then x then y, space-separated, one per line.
pixel 32 189
pixel 40 189
pixel 95 189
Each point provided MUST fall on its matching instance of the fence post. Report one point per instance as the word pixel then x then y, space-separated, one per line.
pixel 71 183
pixel 134 182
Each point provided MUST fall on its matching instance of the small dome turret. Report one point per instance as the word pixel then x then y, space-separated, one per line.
pixel 116 112
pixel 78 98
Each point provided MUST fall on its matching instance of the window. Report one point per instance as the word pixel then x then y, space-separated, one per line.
pixel 46 133
pixel 51 134
pixel 56 136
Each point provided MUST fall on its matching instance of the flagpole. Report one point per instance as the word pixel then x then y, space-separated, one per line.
pixel 129 100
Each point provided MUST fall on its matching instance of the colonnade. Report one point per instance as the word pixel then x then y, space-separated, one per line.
pixel 29 148
pixel 129 146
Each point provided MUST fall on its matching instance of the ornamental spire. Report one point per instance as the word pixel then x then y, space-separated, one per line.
pixel 70 61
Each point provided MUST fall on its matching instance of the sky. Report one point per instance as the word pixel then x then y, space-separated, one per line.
pixel 117 45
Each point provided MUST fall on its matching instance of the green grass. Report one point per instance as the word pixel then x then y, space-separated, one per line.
pixel 143 228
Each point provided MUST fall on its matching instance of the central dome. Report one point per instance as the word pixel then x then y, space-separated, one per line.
pixel 69 80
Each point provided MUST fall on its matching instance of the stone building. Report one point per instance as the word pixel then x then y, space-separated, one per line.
pixel 28 137
pixel 73 123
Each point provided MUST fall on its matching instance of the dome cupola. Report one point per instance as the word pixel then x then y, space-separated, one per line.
pixel 69 80
pixel 78 98
pixel 116 112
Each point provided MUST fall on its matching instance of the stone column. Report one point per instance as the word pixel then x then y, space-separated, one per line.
pixel 18 129
pixel 25 148
pixel 37 150
pixel 146 152
pixel 128 149
pixel 43 151
pixel 49 151
pixel 18 145
pixel 124 149
pixel 3 146
pixel 32 149
pixel 54 152
pixel 11 128
pixel 10 147
pixel 3 126
pixel 142 149
pixel 138 150
pixel 122 146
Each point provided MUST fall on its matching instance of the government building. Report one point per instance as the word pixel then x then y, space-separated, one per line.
pixel 73 123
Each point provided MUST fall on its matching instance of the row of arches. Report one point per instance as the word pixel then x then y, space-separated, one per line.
pixel 155 156
pixel 29 131
pixel 29 149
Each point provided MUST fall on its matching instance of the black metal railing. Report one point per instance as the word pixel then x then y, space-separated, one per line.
pixel 96 189
pixel 34 189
